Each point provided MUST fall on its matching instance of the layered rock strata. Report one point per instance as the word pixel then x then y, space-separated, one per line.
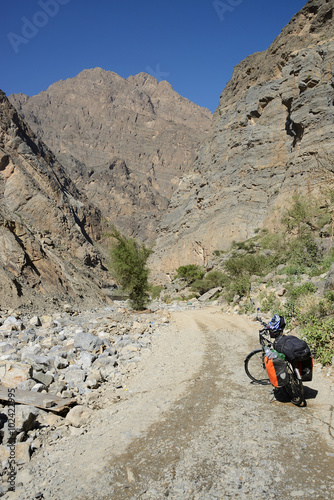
pixel 46 226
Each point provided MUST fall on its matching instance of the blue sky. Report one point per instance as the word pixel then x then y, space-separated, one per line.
pixel 193 44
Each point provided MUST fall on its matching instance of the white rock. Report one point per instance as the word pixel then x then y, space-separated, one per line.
pixel 78 415
pixel 35 321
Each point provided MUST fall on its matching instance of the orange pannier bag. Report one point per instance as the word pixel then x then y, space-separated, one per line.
pixel 277 371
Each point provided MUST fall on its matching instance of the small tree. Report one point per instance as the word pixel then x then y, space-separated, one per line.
pixel 190 273
pixel 128 264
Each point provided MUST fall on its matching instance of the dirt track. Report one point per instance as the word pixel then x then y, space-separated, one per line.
pixel 190 425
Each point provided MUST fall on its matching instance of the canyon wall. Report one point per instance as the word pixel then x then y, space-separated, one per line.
pixel 272 135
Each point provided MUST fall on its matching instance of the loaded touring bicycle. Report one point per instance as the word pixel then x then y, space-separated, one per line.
pixel 283 360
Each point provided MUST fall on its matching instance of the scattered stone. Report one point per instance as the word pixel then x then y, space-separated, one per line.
pixel 87 341
pixel 39 388
pixel 78 415
pixel 25 418
pixel 11 374
pixel 35 321
pixel 74 375
pixel 60 363
pixel 44 378
pixel 22 453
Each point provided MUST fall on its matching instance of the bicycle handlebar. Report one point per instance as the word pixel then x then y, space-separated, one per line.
pixel 262 323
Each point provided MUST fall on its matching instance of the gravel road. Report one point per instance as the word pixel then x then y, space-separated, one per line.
pixel 190 425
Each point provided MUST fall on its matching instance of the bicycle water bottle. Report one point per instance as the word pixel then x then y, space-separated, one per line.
pixel 267 351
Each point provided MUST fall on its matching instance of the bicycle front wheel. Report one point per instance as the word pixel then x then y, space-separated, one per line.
pixel 255 367
pixel 295 388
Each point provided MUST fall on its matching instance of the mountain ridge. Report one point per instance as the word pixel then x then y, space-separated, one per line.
pixel 272 134
pixel 98 119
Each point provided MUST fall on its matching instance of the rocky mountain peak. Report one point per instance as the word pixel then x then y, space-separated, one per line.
pixel 97 116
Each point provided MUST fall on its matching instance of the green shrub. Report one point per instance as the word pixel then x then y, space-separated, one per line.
pixel 167 298
pixel 270 303
pixel 240 268
pixel 200 286
pixel 213 279
pixel 319 335
pixel 128 264
pixel 190 273
pixel 237 286
pixel 247 308
pixel 249 264
pixel 304 252
pixel 326 263
pixel 294 270
pixel 303 289
pixel 156 291
pixel 300 215
pixel 248 246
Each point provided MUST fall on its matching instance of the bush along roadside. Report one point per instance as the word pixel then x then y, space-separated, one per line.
pixel 289 272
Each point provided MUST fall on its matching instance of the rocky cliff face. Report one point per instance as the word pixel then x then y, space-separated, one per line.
pixel 126 143
pixel 272 134
pixel 46 226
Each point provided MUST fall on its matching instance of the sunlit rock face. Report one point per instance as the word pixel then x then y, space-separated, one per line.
pixel 125 142
pixel 272 135
pixel 47 227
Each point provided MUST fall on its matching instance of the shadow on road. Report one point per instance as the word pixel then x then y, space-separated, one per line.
pixel 282 397
pixel 310 393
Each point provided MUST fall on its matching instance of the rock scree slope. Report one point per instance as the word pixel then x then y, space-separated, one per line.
pixel 272 134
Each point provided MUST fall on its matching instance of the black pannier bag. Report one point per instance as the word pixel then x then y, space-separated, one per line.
pixel 305 367
pixel 292 347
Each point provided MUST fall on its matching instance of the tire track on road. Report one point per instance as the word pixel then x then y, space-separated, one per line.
pixel 155 455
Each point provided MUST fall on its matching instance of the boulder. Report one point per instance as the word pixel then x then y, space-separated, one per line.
pixel 87 341
pixel 60 363
pixel 11 374
pixel 86 359
pixel 78 415
pixel 22 453
pixel 25 418
pixel 329 283
pixel 208 295
pixel 44 378
pixel 74 375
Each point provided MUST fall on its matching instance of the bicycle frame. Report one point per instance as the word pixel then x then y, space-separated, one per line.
pixel 294 390
pixel 265 342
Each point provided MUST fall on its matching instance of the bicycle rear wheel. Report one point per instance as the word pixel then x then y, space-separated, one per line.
pixel 295 388
pixel 255 368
